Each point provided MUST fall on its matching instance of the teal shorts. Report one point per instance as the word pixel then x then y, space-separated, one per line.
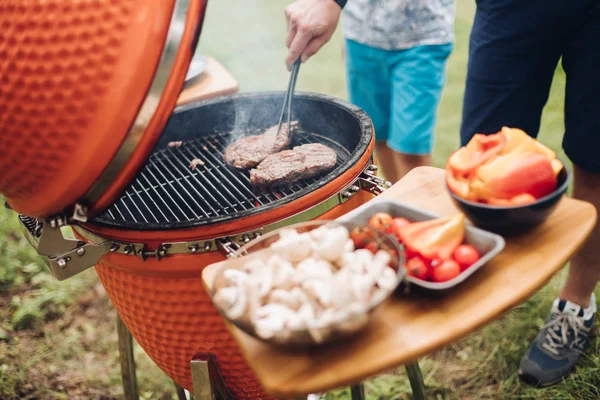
pixel 400 90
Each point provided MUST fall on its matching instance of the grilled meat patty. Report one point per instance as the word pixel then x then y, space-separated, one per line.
pixel 293 165
pixel 249 151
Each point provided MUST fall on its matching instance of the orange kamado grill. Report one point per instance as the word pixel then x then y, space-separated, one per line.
pixel 88 91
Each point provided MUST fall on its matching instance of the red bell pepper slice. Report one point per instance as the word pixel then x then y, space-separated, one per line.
pixel 478 151
pixel 433 239
pixel 515 174
pixel 517 141
pixel 459 185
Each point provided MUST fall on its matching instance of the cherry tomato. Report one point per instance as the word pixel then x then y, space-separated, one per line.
pixel 446 271
pixel 361 237
pixel 465 255
pixel 410 253
pixel 417 268
pixel 373 247
pixel 395 225
pixel 381 221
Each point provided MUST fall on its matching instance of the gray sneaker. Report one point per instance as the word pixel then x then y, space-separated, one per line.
pixel 556 349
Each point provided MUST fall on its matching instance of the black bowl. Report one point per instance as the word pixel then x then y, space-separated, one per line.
pixel 516 219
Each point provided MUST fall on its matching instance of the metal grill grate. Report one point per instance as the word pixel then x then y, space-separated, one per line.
pixel 167 191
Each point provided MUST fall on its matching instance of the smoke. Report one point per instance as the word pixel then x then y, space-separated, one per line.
pixel 255 114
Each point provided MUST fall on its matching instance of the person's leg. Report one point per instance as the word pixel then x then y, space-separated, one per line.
pixel 581 61
pixel 369 87
pixel 514 49
pixel 513 54
pixel 418 77
pixel 395 165
pixel 386 160
pixel 585 265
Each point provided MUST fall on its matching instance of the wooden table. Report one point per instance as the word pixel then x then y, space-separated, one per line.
pixel 414 325
pixel 214 81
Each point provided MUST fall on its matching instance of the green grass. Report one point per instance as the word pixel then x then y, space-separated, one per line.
pixel 57 339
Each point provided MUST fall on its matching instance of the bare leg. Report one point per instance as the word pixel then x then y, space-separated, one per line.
pixel 407 162
pixel 585 265
pixel 385 161
pixel 395 165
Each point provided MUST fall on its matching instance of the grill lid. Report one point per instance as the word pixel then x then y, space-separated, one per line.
pixel 86 89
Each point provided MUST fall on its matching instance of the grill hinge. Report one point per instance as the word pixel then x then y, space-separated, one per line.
pixel 371 182
pixel 64 257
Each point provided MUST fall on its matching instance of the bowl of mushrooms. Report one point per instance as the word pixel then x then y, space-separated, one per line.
pixel 306 284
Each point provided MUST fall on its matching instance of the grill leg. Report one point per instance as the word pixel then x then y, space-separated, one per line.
pixel 180 392
pixel 207 379
pixel 357 392
pixel 416 381
pixel 130 387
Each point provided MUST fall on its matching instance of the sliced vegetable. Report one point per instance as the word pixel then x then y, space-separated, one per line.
pixel 512 171
pixel 517 141
pixel 478 151
pixel 395 226
pixel 436 238
pixel 514 174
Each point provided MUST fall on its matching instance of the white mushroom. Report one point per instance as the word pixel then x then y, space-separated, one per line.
pixel 341 295
pixel 388 279
pixel 226 297
pixel 312 268
pixel 270 320
pixel 361 288
pixel 319 233
pixel 382 258
pixel 349 247
pixel 289 298
pixel 253 265
pixel 319 290
pixel 310 281
pixel 293 246
pixel 331 246
pixel 254 299
pixel 376 266
pixel 235 276
pixel 283 272
pixel 232 300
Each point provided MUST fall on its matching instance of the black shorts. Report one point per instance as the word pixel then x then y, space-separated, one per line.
pixel 514 49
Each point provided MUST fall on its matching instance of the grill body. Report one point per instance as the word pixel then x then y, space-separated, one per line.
pixel 162 302
pixel 85 90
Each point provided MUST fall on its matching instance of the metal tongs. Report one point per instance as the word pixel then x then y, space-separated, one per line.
pixel 289 96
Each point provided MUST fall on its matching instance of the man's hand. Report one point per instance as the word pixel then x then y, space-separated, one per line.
pixel 310 24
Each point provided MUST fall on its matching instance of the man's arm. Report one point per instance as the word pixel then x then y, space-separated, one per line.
pixel 310 24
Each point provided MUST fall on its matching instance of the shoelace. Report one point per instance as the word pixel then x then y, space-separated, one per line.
pixel 561 322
